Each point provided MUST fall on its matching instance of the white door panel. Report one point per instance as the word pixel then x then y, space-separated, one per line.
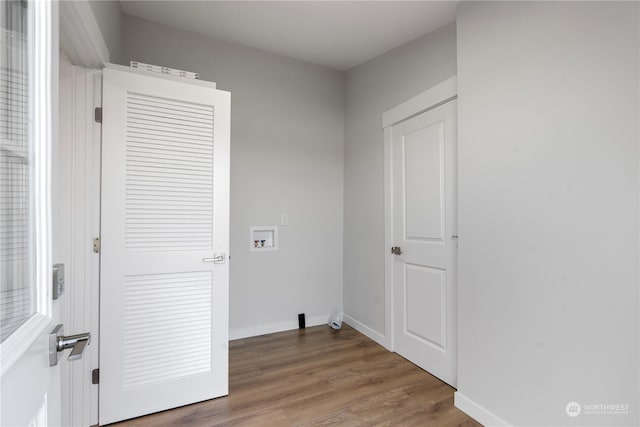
pixel 423 155
pixel 424 225
pixel 30 390
pixel 165 202
pixel 29 387
pixel 425 293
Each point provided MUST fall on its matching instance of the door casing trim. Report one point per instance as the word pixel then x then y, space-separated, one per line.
pixel 80 36
pixel 83 43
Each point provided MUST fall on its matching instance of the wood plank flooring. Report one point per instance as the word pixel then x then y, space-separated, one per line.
pixel 319 377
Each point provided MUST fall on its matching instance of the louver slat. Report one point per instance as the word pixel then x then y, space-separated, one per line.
pixel 170 308
pixel 169 175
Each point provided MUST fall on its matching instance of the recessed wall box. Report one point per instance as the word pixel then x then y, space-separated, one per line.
pixel 263 238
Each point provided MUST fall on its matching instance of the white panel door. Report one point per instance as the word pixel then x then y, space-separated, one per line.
pixel 424 227
pixel 29 386
pixel 165 217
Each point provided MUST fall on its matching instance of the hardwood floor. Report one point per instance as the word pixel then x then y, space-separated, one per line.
pixel 315 377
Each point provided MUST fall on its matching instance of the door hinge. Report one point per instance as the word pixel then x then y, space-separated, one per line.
pixel 95 376
pixel 96 245
pixel 97 114
pixel 396 250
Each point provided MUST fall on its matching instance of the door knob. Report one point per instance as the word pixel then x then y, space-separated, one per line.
pixel 396 250
pixel 58 343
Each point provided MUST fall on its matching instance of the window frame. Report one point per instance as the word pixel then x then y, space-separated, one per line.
pixel 41 40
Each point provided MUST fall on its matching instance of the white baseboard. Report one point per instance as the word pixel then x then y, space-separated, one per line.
pixel 365 330
pixel 254 331
pixel 477 412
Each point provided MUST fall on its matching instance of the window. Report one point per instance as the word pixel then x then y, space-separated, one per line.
pixel 25 140
pixel 17 290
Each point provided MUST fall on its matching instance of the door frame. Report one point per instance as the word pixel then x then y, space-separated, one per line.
pixel 83 43
pixel 80 155
pixel 429 99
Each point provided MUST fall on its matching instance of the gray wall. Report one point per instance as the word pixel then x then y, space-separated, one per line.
pixel 548 212
pixel 549 193
pixel 371 89
pixel 287 121
pixel 109 16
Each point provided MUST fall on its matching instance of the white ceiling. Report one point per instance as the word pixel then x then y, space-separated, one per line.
pixel 337 34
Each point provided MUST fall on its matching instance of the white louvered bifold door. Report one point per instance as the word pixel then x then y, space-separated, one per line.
pixel 165 216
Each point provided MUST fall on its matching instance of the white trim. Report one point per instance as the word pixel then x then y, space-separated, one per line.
pixel 365 330
pixel 41 103
pixel 388 240
pixel 82 41
pixel 270 328
pixel 79 179
pixel 430 98
pixel 477 412
pixel 92 267
pixel 80 36
pixel 426 100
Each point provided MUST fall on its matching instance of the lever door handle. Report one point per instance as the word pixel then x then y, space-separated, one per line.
pixel 58 343
pixel 218 258
pixel 77 349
